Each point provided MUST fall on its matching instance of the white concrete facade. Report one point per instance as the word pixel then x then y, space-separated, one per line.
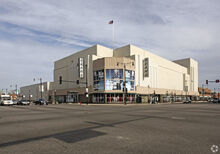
pixel 179 76
pixel 163 74
pixel 153 74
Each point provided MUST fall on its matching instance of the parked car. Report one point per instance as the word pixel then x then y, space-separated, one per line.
pixel 210 100
pixel 6 100
pixel 15 102
pixel 187 101
pixel 23 102
pixel 216 100
pixel 40 102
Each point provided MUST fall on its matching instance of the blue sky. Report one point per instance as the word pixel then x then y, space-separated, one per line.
pixel 34 34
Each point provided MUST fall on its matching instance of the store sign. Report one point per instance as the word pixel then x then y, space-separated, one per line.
pixel 146 67
pixel 80 64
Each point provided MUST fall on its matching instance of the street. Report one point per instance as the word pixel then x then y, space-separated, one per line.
pixel 111 129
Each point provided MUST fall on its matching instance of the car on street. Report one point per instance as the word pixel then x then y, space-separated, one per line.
pixel 6 100
pixel 40 102
pixel 15 102
pixel 187 101
pixel 216 100
pixel 23 102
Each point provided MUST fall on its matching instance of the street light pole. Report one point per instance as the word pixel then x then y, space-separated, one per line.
pixel 124 86
pixel 124 82
pixel 55 92
pixel 29 96
pixel 41 88
pixel 87 90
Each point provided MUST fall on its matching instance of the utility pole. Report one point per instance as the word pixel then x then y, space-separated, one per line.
pixel 16 88
pixel 55 93
pixel 29 96
pixel 124 86
pixel 203 91
pixel 41 90
pixel 87 90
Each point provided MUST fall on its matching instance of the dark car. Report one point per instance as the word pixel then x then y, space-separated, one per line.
pixel 40 102
pixel 216 100
pixel 187 101
pixel 23 102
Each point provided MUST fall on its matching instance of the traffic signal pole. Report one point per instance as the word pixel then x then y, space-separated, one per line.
pixel 124 86
pixel 41 88
pixel 87 90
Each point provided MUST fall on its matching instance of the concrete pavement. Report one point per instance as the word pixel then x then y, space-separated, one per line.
pixel 73 128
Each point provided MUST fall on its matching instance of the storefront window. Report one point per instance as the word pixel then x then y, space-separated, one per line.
pixel 114 74
pixel 114 84
pixel 72 97
pixel 129 75
pixel 98 77
pixel 114 79
pixel 98 98
pixel 114 98
pixel 130 80
pixel 99 85
pixel 130 98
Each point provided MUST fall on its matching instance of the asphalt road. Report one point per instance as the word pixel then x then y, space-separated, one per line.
pixel 110 129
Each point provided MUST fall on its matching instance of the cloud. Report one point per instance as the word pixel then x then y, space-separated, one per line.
pixel 170 28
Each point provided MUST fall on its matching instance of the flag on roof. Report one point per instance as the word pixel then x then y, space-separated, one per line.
pixel 110 22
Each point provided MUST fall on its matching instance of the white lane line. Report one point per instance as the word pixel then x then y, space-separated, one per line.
pixel 178 118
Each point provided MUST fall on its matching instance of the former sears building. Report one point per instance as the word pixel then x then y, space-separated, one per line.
pixel 127 74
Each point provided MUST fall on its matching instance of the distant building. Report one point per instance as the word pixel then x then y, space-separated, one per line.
pixel 13 96
pixel 205 93
pixel 36 91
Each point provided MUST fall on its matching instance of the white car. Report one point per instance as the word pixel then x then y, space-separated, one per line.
pixel 6 100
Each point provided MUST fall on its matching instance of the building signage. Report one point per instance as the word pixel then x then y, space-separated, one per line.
pixel 80 66
pixel 146 67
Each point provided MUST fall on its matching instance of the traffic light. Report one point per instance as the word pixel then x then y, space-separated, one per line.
pixel 207 81
pixel 60 80
pixel 77 81
pixel 217 81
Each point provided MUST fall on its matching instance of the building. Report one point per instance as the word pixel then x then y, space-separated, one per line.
pixel 13 96
pixel 36 91
pixel 205 93
pixel 128 74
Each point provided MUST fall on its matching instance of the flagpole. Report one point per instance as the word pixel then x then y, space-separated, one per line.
pixel 113 31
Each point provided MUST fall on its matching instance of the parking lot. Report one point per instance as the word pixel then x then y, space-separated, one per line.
pixel 73 128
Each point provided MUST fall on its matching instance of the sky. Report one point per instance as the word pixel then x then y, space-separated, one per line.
pixel 35 33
